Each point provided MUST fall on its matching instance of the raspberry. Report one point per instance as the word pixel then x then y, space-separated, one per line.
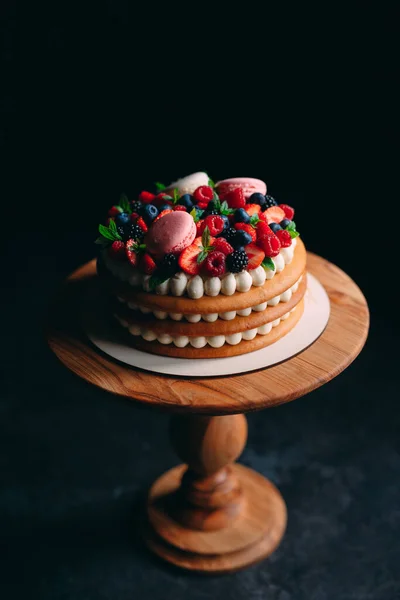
pixel 179 207
pixel 288 210
pixel 237 261
pixel 221 245
pixel 117 250
pixel 202 205
pixel 146 197
pixel 270 245
pixel 248 229
pixel 215 224
pixel 142 224
pixel 263 230
pixel 214 264
pixel 284 238
pixel 147 264
pixel 235 198
pixel 204 193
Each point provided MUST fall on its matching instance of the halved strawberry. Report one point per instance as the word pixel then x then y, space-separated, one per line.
pixel 147 264
pixel 235 198
pixel 253 209
pixel 255 256
pixel 130 252
pixel 248 229
pixel 274 214
pixel 162 213
pixel 188 259
pixel 142 224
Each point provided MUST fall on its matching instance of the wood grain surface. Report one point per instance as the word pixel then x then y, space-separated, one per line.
pixel 338 346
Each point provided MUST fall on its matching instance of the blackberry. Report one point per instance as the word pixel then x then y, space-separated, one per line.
pixel 169 265
pixel 269 201
pixel 237 261
pixel 136 206
pixel 229 234
pixel 131 231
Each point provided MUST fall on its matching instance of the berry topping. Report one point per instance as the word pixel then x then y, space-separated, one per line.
pixel 253 209
pixel 136 206
pixel 274 214
pixel 147 264
pixel 255 256
pixel 180 207
pixel 215 224
pixel 214 264
pixel 270 245
pixel 275 227
pixel 221 245
pixel 257 198
pixel 229 234
pixel 284 223
pixel 187 201
pixel 164 207
pixel 288 210
pixel 191 258
pixel 235 198
pixel 131 252
pixel 241 216
pixel 248 229
pixel 122 219
pixel 114 211
pixel 202 205
pixel 162 213
pixel 284 238
pixel 204 193
pixel 241 238
pixel 149 213
pixel 263 230
pixel 269 201
pixel 131 230
pixel 237 261
pixel 147 197
pixel 117 250
pixel 142 224
pixel 169 265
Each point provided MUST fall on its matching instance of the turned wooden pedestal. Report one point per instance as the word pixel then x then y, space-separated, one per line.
pixel 211 514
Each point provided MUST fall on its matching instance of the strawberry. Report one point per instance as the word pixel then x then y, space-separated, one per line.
pixel 162 213
pixel 263 230
pixel 204 193
pixel 214 264
pixel 188 259
pixel 215 224
pixel 114 211
pixel 235 198
pixel 221 245
pixel 255 256
pixel 284 238
pixel 270 245
pixel 147 264
pixel 179 207
pixel 248 229
pixel 146 197
pixel 253 209
pixel 162 198
pixel 130 251
pixel 117 250
pixel 199 227
pixel 142 224
pixel 274 214
pixel 288 210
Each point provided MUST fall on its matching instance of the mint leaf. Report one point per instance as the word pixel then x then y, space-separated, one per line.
pixel 196 214
pixel 293 234
pixel 108 233
pixel 124 204
pixel 225 210
pixel 176 195
pixel 268 264
pixel 211 183
pixel 202 255
pixel 291 228
pixel 205 238
pixel 160 187
pixel 113 227
pixel 254 219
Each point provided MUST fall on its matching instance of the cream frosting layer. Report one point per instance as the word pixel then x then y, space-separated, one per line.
pixel 216 341
pixel 198 285
pixel 211 317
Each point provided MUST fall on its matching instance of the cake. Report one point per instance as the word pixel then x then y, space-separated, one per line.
pixel 197 270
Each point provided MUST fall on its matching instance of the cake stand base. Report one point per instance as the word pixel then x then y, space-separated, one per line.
pixel 252 535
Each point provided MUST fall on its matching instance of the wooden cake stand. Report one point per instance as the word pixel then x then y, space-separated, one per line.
pixel 212 514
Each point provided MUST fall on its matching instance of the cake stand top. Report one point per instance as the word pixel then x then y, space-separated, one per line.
pixel 340 343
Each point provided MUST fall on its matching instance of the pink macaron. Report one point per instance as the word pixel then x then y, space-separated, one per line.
pixel 248 185
pixel 174 232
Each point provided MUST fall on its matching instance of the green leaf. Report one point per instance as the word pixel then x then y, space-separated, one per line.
pixel 254 219
pixel 268 264
pixel 113 227
pixel 175 195
pixel 202 255
pixel 160 187
pixel 291 226
pixel 293 234
pixel 196 214
pixel 225 210
pixel 124 204
pixel 217 200
pixel 205 238
pixel 157 279
pixel 108 233
pixel 211 183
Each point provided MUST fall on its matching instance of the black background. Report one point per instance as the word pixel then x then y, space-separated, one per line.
pixel 99 102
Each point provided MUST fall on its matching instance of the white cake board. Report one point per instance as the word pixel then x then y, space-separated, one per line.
pixel 308 329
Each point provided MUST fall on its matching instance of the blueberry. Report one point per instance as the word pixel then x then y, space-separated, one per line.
pixel 164 207
pixel 187 201
pixel 241 238
pixel 275 227
pixel 241 216
pixel 257 198
pixel 227 223
pixel 122 219
pixel 149 213
pixel 284 223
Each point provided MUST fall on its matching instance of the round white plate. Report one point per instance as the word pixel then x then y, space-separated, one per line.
pixel 308 329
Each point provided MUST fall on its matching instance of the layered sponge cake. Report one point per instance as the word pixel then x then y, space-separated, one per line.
pixel 203 271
